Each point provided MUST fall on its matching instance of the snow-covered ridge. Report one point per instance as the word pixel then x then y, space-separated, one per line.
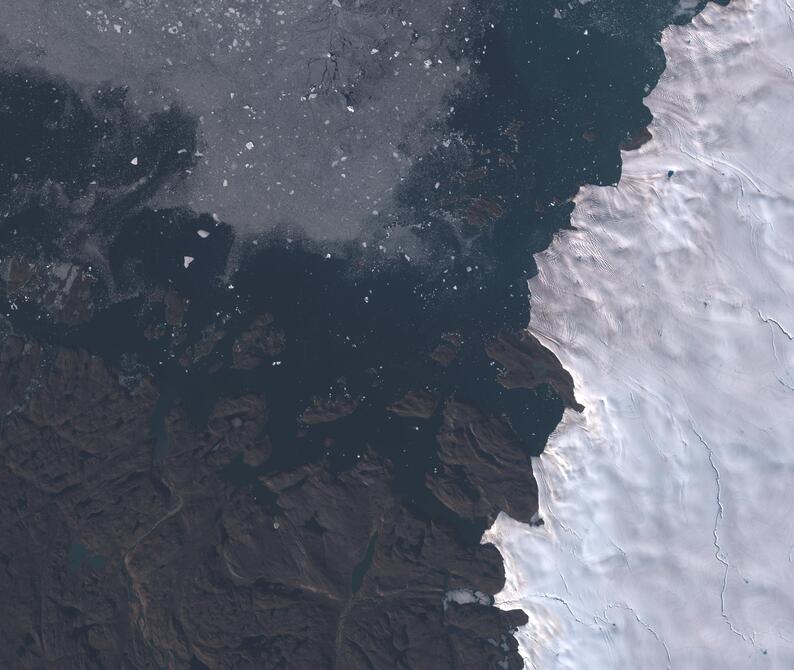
pixel 669 504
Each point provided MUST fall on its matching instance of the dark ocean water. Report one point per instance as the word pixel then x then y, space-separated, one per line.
pixel 545 74
pixel 554 100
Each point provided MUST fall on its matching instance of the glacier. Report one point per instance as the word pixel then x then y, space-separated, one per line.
pixel 668 504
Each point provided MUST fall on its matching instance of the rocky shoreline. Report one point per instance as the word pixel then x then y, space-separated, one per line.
pixel 280 452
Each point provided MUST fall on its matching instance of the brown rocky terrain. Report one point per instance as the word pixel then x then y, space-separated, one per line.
pixel 139 561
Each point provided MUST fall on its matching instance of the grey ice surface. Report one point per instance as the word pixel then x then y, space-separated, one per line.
pixel 310 111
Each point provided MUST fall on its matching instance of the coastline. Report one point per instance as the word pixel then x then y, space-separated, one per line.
pixel 666 538
pixel 284 451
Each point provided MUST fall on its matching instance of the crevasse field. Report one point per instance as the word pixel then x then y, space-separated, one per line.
pixel 669 504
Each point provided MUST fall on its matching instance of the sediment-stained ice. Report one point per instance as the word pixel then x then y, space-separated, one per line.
pixel 669 537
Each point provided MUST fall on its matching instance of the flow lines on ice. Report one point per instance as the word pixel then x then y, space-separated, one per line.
pixel 770 320
pixel 719 554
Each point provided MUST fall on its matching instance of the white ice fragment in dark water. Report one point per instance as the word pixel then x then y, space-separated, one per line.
pixel 438 183
pixel 203 234
pixel 134 161
pixel 327 256
pixel 225 183
pixel 187 261
pixel 350 108
pixel 373 51
pixel 465 597
pixel 336 3
pixel 249 145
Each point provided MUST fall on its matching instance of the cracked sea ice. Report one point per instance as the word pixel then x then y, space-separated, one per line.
pixel 669 504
